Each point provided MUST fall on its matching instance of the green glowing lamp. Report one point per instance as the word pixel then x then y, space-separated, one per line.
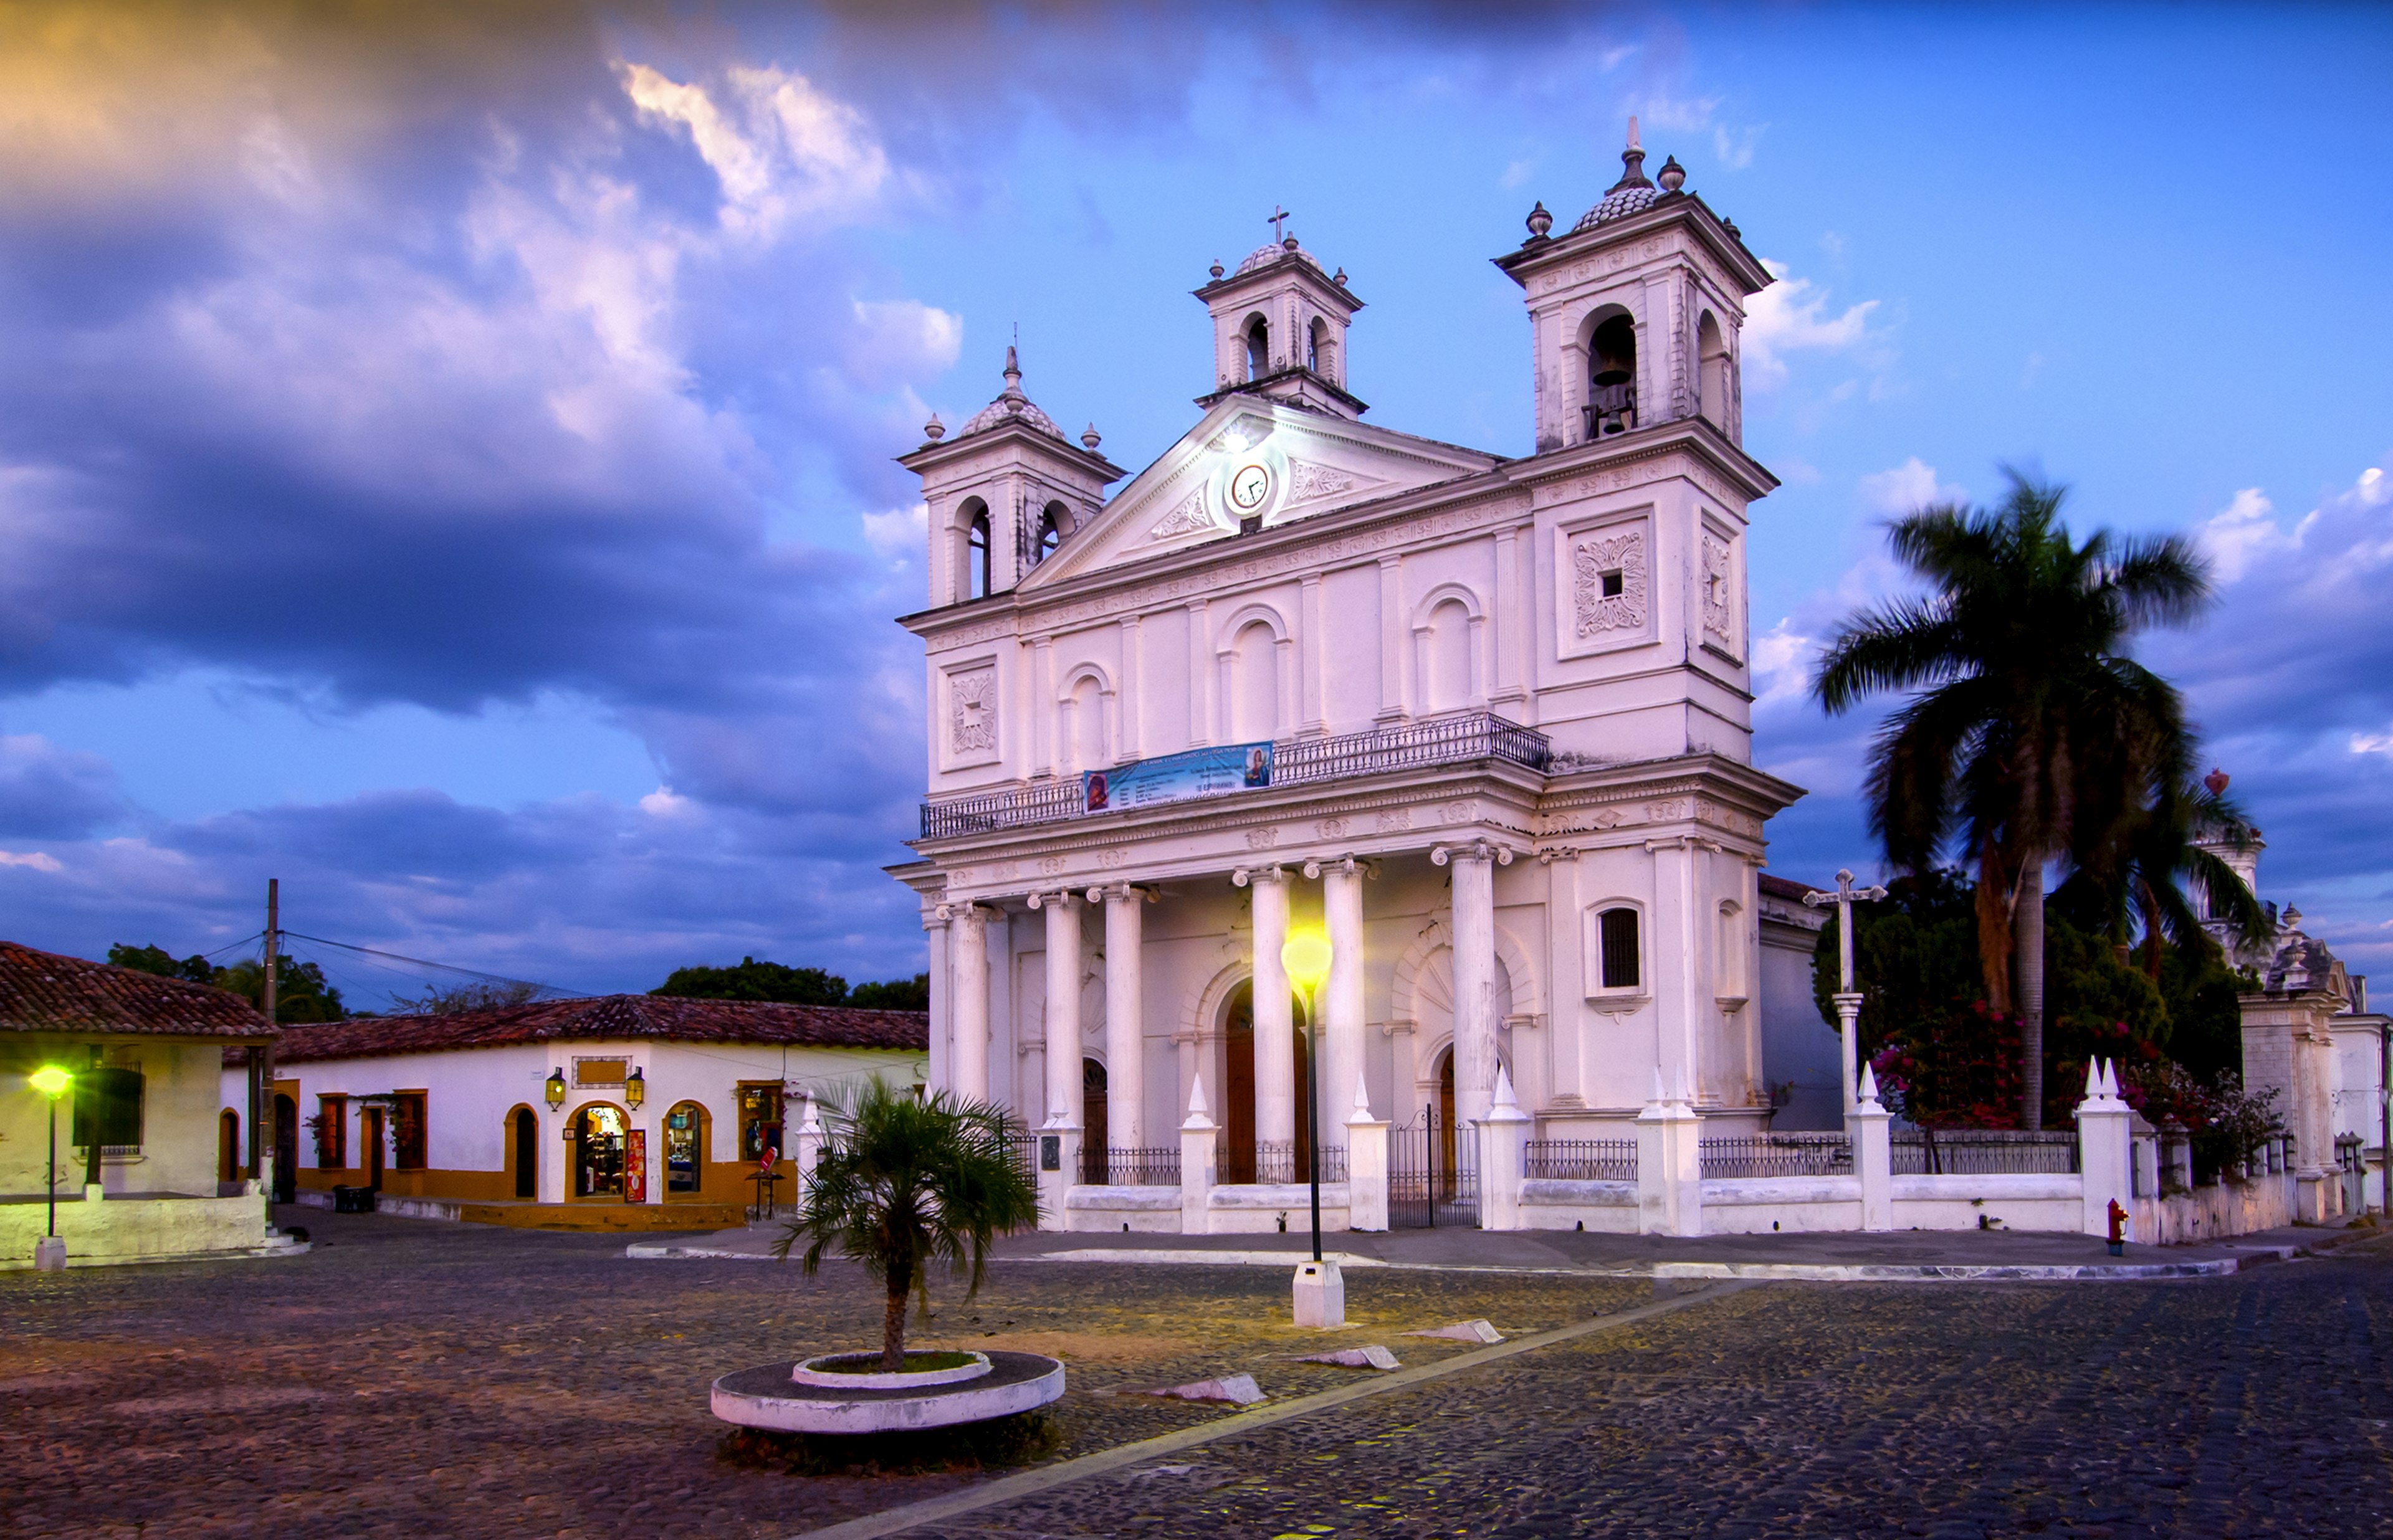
pixel 51 1081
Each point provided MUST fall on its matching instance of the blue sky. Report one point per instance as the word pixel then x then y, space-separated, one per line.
pixel 446 464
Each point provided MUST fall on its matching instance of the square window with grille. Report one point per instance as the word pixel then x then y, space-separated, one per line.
pixel 107 1107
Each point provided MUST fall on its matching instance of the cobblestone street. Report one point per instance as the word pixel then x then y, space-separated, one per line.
pixel 413 1378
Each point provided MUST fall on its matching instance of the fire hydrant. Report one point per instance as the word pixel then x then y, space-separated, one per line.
pixel 2118 1229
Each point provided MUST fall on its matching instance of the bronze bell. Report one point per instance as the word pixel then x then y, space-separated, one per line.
pixel 1616 352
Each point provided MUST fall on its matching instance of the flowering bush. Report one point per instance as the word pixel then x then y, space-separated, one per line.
pixel 1955 1069
pixel 2227 1124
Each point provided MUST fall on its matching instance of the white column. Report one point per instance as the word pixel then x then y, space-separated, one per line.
pixel 1392 641
pixel 1274 1022
pixel 968 1009
pixel 1341 996
pixel 935 924
pixel 1313 650
pixel 1474 977
pixel 1125 1020
pixel 1063 1007
pixel 1130 739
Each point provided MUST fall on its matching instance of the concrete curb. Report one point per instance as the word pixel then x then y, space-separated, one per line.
pixel 1896 1273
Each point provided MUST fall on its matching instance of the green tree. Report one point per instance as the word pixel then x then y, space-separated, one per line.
pixel 479 995
pixel 752 980
pixel 913 994
pixel 301 993
pixel 194 968
pixel 905 1182
pixel 2031 736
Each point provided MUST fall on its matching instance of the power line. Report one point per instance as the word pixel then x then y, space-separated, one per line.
pixel 549 990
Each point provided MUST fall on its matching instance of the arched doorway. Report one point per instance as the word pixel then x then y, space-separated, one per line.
pixel 685 1149
pixel 525 1129
pixel 229 1146
pixel 1446 1141
pixel 286 1149
pixel 598 1152
pixel 1093 1121
pixel 1239 1163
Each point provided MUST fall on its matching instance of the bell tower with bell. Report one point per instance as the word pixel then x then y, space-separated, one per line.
pixel 1635 311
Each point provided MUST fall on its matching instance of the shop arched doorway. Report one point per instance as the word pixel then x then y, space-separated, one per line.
pixel 229 1146
pixel 523 1130
pixel 598 1152
pixel 685 1150
pixel 1239 1162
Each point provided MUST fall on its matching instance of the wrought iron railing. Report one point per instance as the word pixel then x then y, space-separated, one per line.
pixel 1583 1159
pixel 1458 739
pixel 1155 1167
pixel 1283 1160
pixel 1778 1154
pixel 1983 1153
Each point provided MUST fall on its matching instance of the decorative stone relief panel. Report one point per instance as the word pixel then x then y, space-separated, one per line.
pixel 1608 583
pixel 1307 480
pixel 972 715
pixel 1718 591
pixel 1189 518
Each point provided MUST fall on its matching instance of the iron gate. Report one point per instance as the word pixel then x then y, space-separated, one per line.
pixel 1432 1173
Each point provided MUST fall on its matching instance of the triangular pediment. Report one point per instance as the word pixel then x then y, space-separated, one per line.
pixel 1249 457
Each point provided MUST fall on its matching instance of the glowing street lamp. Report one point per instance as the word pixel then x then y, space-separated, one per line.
pixel 52 1082
pixel 555 1088
pixel 1305 956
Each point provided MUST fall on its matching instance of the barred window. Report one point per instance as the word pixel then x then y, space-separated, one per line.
pixel 108 1103
pixel 1619 940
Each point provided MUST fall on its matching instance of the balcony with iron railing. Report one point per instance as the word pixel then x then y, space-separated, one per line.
pixel 1464 739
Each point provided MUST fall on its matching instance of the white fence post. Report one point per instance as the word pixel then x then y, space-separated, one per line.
pixel 1503 1157
pixel 1059 1167
pixel 1198 1157
pixel 1670 1166
pixel 2105 1149
pixel 1366 1164
pixel 1866 1126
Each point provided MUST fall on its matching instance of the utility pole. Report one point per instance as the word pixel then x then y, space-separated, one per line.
pixel 263 1136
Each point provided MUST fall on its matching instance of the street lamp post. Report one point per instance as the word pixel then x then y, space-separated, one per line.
pixel 52 1082
pixel 1320 1293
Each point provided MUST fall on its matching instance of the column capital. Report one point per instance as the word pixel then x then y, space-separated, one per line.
pixel 935 918
pixel 1247 876
pixel 1476 850
pixel 1345 866
pixel 1105 890
pixel 1063 898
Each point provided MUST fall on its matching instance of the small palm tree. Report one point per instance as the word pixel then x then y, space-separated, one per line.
pixel 907 1180
pixel 2033 736
pixel 2156 865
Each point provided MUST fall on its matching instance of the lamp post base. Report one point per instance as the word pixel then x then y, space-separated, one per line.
pixel 1320 1295
pixel 50 1254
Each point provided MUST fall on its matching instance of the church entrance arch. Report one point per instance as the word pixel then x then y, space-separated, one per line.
pixel 1093 1124
pixel 1241 1163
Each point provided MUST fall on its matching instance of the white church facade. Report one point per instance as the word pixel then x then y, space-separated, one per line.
pixel 1503 708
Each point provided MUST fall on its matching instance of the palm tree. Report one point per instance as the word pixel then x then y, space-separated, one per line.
pixel 2156 866
pixel 2033 737
pixel 905 1182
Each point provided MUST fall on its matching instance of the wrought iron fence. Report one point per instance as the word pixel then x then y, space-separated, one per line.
pixel 1583 1159
pixel 1155 1167
pixel 1432 1173
pixel 1283 1160
pixel 1777 1154
pixel 1457 740
pixel 1983 1153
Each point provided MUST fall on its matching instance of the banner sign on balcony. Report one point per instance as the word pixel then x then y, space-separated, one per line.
pixel 1177 777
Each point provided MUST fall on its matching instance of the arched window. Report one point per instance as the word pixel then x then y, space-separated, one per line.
pixel 1254 684
pixel 684 1148
pixel 1611 376
pixel 1084 733
pixel 1446 682
pixel 1319 348
pixel 1053 522
pixel 1617 931
pixel 1094 1131
pixel 976 577
pixel 1711 371
pixel 1258 348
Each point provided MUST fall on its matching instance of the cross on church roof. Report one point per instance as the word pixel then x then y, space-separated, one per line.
pixel 1278 217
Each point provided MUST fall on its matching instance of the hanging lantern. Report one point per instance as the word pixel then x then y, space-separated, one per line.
pixel 635 1089
pixel 556 1088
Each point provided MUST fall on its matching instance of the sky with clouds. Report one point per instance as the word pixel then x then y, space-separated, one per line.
pixel 445 460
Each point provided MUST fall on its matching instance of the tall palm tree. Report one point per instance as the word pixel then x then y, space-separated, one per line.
pixel 2031 735
pixel 2158 864
pixel 906 1181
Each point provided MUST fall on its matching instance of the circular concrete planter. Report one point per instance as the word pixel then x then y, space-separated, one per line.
pixel 818 1371
pixel 773 1398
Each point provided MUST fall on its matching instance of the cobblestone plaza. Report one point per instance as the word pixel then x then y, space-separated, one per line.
pixel 411 1378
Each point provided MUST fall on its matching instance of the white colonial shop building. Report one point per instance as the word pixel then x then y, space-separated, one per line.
pixel 1507 703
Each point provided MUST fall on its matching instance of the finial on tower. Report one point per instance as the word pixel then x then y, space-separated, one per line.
pixel 1090 438
pixel 934 430
pixel 1013 371
pixel 1673 177
pixel 2216 781
pixel 1632 163
pixel 1539 221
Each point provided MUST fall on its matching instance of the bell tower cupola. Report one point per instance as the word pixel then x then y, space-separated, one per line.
pixel 1635 311
pixel 1004 493
pixel 1280 328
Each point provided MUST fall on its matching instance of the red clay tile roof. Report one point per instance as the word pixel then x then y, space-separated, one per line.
pixel 652 1018
pixel 44 992
pixel 1779 887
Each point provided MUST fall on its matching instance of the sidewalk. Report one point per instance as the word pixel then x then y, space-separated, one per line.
pixel 1917 1254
